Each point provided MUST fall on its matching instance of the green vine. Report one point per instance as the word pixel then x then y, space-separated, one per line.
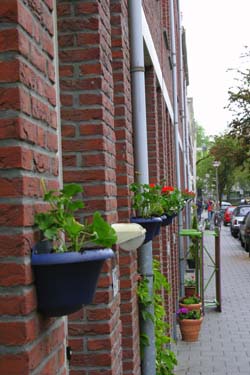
pixel 165 358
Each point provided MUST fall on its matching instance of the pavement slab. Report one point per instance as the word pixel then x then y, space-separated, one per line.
pixel 223 347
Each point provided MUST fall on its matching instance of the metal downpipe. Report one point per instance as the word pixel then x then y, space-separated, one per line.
pixel 141 163
pixel 176 132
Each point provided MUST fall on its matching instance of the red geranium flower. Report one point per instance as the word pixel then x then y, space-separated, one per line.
pixel 167 189
pixel 152 185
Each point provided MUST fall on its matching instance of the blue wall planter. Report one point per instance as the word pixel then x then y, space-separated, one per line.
pixel 167 219
pixel 152 226
pixel 67 281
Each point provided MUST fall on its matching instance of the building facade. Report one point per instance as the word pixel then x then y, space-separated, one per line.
pixel 87 95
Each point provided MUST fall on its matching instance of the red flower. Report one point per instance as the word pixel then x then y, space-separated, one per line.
pixel 167 189
pixel 152 185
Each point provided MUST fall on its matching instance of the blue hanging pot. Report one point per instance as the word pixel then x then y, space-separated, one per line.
pixel 152 226
pixel 166 220
pixel 66 281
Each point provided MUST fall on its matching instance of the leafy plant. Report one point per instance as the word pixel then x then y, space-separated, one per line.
pixel 188 194
pixel 193 249
pixel 191 300
pixel 154 200
pixel 172 200
pixel 59 222
pixel 184 313
pixel 165 358
pixel 190 282
pixel 146 200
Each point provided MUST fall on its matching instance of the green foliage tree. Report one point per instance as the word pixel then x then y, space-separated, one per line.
pixel 227 150
pixel 203 158
pixel 239 106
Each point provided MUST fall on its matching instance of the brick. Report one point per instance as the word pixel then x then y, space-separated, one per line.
pixel 17 363
pixel 47 44
pixel 38 59
pixel 90 360
pixel 15 157
pixel 79 55
pixel 82 114
pixel 24 17
pixel 51 71
pixel 63 10
pixel 78 24
pixel 16 215
pixel 99 344
pixel 9 71
pixel 9 40
pixel 16 244
pixel 94 68
pixel 9 99
pixel 8 128
pixel 8 11
pixel 18 187
pixel 66 71
pixel 12 274
pixel 18 305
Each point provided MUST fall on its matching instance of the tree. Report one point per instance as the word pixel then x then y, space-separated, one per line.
pixel 226 149
pixel 239 105
pixel 203 160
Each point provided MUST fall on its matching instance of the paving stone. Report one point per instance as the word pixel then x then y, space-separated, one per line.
pixel 224 343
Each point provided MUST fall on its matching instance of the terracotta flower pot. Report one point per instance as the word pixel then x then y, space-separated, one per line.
pixel 192 306
pixel 190 329
pixel 190 291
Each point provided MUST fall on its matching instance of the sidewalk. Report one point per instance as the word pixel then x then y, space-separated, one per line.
pixel 224 344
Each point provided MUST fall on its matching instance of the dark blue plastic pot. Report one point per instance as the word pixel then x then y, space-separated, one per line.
pixel 152 226
pixel 166 220
pixel 67 281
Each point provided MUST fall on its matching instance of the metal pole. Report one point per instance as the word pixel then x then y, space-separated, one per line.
pixel 218 269
pixel 141 165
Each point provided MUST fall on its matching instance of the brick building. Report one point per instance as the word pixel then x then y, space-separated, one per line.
pixel 69 102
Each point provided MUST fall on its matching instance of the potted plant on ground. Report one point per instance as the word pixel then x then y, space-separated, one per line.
pixel 68 260
pixel 190 324
pixel 191 302
pixel 147 206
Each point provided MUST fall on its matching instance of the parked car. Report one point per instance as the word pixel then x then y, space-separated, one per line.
pixel 237 218
pixel 246 232
pixel 228 215
pixel 224 206
pixel 242 230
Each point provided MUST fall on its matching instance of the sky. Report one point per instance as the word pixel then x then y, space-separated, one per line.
pixel 217 32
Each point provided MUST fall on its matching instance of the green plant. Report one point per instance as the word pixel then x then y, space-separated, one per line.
pixel 146 200
pixel 172 200
pixel 190 282
pixel 59 223
pixel 191 300
pixel 187 194
pixel 193 248
pixel 165 358
pixel 184 313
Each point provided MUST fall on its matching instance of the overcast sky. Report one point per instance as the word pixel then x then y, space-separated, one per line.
pixel 216 33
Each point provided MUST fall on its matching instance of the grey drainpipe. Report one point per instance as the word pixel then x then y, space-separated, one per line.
pixel 141 162
pixel 183 117
pixel 176 132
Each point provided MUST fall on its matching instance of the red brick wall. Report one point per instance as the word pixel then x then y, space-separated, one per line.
pixel 89 158
pixel 97 139
pixel 28 135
